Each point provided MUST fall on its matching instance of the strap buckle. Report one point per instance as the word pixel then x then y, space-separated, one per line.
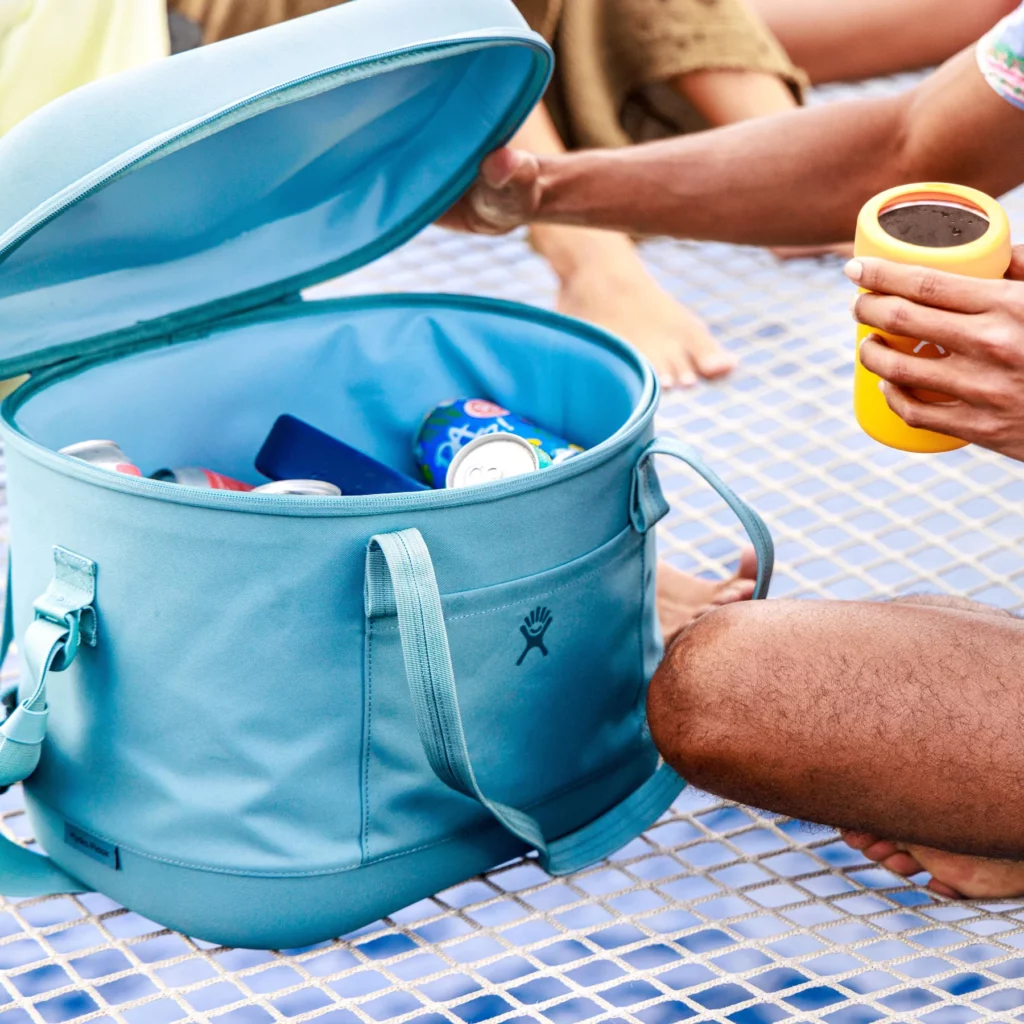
pixel 68 603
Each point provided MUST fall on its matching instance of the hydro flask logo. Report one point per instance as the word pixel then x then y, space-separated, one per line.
pixel 534 626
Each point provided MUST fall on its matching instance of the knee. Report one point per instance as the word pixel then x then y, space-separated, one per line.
pixel 700 705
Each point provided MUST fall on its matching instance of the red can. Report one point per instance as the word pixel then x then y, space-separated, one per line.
pixel 196 476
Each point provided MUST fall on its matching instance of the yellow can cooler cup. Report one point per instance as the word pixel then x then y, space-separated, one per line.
pixel 944 227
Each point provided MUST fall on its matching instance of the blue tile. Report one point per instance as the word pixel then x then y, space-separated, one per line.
pixel 651 956
pixel 853 1015
pixel 686 976
pixel 597 972
pixel 619 935
pixel 482 1008
pixel 778 979
pixel 815 998
pixel 572 1010
pixel 764 1014
pixel 722 995
pixel 909 999
pixel 667 1012
pixel 62 1008
pixel 704 942
pixel 539 990
pixel 305 1000
pixel 564 952
pixel 387 946
pixel 963 984
pixel 630 992
pixel 506 970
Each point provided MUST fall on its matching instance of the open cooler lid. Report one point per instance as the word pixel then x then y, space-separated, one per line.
pixel 234 175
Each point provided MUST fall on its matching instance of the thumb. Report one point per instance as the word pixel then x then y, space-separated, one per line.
pixel 505 194
pixel 507 167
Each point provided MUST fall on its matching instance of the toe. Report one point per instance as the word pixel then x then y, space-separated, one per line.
pixel 736 590
pixel 748 564
pixel 706 353
pixel 944 890
pixel 858 840
pixel 901 863
pixel 680 370
pixel 881 850
pixel 714 363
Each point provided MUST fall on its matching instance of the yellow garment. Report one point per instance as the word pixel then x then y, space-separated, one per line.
pixel 49 47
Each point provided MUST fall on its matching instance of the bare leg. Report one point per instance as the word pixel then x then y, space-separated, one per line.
pixel 953 874
pixel 725 97
pixel 603 280
pixel 849 39
pixel 901 720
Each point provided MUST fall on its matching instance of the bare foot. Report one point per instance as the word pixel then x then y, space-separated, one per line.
pixel 954 875
pixel 799 252
pixel 683 598
pixel 622 297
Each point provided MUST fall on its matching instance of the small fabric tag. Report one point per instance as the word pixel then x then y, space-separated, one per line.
pixel 88 844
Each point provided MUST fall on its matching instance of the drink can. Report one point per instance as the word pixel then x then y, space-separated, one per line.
pixel 301 488
pixel 452 425
pixel 195 476
pixel 492 457
pixel 104 455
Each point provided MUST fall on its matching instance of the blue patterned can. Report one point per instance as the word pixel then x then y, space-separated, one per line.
pixel 452 425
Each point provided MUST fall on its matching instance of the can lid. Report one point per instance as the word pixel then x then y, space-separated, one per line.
pixel 83 449
pixel 302 488
pixel 492 457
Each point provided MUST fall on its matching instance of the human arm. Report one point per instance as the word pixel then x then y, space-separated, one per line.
pixel 798 178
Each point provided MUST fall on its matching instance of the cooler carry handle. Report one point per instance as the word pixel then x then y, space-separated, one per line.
pixel 400 582
pixel 649 505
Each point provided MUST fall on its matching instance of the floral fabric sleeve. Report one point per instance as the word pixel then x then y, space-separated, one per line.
pixel 1001 57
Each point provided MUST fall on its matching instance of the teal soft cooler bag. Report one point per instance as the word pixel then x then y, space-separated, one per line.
pixel 263 720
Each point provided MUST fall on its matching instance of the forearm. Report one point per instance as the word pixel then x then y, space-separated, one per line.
pixel 759 182
pixel 567 249
pixel 798 178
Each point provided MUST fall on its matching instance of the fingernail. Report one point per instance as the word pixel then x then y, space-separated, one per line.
pixel 854 270
pixel 853 306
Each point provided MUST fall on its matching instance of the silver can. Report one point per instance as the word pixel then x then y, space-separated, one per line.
pixel 104 455
pixel 492 457
pixel 301 488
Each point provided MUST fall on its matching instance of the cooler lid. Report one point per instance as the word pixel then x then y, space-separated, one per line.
pixel 234 175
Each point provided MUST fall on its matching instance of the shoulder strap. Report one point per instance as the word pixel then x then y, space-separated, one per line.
pixel 22 872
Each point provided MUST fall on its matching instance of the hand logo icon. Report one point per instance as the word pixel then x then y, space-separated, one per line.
pixel 534 626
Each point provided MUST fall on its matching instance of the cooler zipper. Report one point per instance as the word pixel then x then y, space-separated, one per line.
pixel 353 505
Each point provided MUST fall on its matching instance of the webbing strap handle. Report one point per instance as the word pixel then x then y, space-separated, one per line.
pixel 400 583
pixel 64 619
pixel 649 504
